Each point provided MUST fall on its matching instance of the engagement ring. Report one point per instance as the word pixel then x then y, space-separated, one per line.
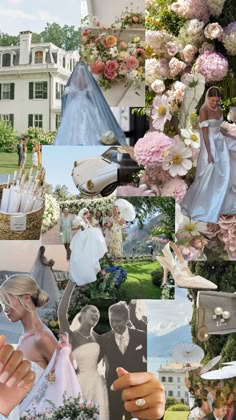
pixel 140 402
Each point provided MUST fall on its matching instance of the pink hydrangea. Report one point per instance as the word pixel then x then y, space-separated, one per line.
pixel 192 9
pixel 150 150
pixel 213 66
pixel 227 234
pixel 175 187
pixel 131 191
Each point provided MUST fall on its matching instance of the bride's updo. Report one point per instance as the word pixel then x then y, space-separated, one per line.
pixel 19 285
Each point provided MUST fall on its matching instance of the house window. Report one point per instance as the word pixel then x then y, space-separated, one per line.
pixel 38 90
pixel 163 379
pixel 58 121
pixel 6 60
pixel 8 118
pixel 170 394
pixel 54 57
pixel 7 91
pixel 170 379
pixel 64 62
pixel 38 57
pixel 71 64
pixel 178 380
pixel 35 120
pixel 59 90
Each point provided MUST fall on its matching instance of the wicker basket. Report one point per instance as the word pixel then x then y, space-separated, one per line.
pixel 33 224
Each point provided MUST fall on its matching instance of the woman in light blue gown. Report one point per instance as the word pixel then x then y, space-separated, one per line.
pixel 87 119
pixel 213 191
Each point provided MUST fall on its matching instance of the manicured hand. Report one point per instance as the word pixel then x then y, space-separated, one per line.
pixel 144 387
pixel 16 377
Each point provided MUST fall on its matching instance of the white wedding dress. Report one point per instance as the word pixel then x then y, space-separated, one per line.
pixel 44 391
pixel 88 246
pixel 92 384
pixel 46 280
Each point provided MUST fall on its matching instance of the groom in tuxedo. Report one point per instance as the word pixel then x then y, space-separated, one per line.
pixel 122 347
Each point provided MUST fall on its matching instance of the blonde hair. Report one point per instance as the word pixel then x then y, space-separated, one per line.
pixel 19 285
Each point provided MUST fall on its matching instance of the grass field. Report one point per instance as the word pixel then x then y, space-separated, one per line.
pixel 9 162
pixel 176 415
pixel 139 285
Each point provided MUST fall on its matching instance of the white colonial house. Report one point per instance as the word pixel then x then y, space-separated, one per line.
pixel 32 81
pixel 173 379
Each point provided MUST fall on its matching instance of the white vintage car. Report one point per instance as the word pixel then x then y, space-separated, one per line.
pixel 98 175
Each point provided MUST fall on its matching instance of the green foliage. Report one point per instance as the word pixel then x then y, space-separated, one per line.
pixel 171 401
pixel 66 37
pixel 6 39
pixel 61 193
pixel 179 407
pixel 8 138
pixel 38 135
pixel 157 276
pixel 160 17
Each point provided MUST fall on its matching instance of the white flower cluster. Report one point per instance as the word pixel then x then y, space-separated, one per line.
pixel 51 213
pixel 215 7
pixel 102 204
pixel 229 41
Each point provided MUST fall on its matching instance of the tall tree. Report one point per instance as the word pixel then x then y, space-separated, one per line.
pixel 66 37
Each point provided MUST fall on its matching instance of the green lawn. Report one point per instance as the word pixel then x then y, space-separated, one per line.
pixel 176 415
pixel 139 285
pixel 9 162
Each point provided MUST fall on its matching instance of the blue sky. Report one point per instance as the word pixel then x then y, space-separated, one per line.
pixel 22 15
pixel 58 162
pixel 165 316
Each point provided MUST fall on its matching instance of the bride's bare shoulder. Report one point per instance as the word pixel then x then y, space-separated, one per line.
pixel 45 338
pixel 203 114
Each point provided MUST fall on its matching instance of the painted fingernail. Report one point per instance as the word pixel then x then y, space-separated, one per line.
pixel 11 382
pixel 112 388
pixel 20 384
pixel 3 377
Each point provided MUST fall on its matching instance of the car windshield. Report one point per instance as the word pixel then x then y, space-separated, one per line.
pixel 111 155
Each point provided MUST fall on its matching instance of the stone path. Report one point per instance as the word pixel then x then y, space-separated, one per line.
pixel 52 236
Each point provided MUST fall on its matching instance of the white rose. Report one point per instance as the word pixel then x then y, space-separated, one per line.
pixel 213 31
pixel 158 86
pixel 172 48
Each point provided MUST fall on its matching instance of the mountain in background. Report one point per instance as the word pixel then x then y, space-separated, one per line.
pixel 163 345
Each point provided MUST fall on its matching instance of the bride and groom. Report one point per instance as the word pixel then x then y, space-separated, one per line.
pixel 122 346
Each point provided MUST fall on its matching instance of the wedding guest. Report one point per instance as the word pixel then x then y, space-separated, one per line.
pixel 66 231
pixel 106 227
pixel 19 151
pixel 34 157
pixel 24 154
pixel 38 150
pixel 17 378
pixel 219 410
pixel 116 239
pixel 42 273
pixel 201 409
pixel 99 217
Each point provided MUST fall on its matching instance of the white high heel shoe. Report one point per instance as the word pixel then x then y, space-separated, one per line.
pixel 180 271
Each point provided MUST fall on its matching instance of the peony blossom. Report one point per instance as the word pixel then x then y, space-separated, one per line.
pixel 175 187
pixel 172 48
pixel 191 138
pixel 213 66
pixel 132 63
pixel 176 66
pixel 189 52
pixel 97 67
pixel 150 150
pixel 160 112
pixel 213 31
pixel 177 161
pixel 158 86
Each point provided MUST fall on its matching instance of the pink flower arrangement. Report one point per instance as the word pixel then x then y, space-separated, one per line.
pixel 176 66
pixel 175 187
pixel 131 191
pixel 97 67
pixel 150 150
pixel 213 31
pixel 132 63
pixel 213 66
pixel 110 69
pixel 192 9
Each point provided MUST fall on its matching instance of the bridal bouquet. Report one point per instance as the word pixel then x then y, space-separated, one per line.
pixel 72 408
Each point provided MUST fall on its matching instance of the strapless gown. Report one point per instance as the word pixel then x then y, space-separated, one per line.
pixel 213 191
pixel 92 384
pixel 87 247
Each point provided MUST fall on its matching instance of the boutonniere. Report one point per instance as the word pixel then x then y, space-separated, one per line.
pixel 139 347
